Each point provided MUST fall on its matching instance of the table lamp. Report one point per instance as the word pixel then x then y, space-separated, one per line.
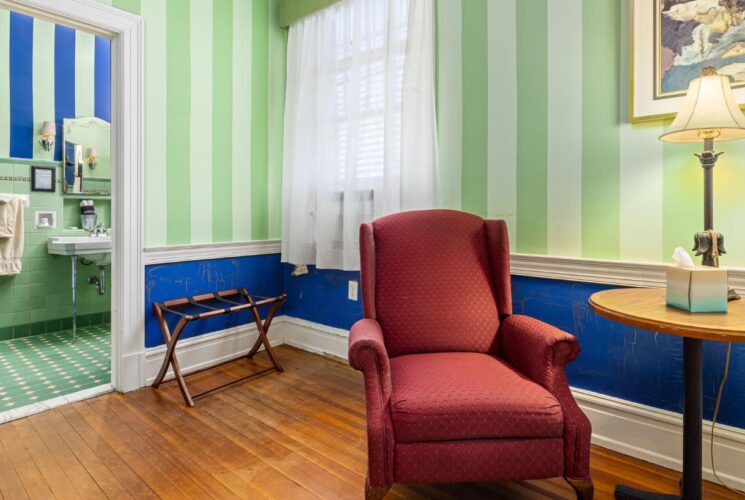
pixel 709 113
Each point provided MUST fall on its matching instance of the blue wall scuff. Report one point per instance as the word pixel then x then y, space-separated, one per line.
pixel 261 275
pixel 620 361
pixel 321 296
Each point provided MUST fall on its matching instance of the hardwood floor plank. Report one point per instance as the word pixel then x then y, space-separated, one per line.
pixel 288 459
pixel 266 479
pixel 178 431
pixel 123 471
pixel 27 470
pixel 300 434
pixel 103 477
pixel 10 483
pixel 184 460
pixel 154 461
pixel 81 479
pixel 56 479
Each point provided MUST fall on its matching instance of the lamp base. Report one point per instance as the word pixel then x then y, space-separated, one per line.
pixel 709 247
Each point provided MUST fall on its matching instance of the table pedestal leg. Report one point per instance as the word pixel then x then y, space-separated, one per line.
pixel 692 418
pixel 692 431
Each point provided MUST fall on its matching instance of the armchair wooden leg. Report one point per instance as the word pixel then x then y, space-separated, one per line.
pixel 582 487
pixel 375 492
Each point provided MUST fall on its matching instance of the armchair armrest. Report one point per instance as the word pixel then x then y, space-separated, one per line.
pixel 540 352
pixel 367 353
pixel 536 348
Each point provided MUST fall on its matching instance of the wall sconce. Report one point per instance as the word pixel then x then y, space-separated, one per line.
pixel 92 158
pixel 48 133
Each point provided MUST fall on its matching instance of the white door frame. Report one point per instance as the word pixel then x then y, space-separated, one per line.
pixel 127 33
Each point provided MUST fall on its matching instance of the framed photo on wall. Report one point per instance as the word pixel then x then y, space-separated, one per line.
pixel 43 179
pixel 672 40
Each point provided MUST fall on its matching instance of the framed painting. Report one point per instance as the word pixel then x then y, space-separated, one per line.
pixel 672 40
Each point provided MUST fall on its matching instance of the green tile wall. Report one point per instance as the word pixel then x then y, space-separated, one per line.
pixel 39 300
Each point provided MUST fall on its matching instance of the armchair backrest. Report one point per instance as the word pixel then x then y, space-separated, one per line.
pixel 436 280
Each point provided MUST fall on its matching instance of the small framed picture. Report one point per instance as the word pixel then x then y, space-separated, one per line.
pixel 43 179
pixel 45 219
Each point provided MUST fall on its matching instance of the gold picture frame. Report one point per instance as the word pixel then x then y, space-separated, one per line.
pixel 648 100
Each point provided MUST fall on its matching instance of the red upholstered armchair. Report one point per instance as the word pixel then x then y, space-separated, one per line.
pixel 459 389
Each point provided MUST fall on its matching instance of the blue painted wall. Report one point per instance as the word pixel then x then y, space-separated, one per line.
pixel 616 360
pixel 321 296
pixel 626 362
pixel 21 81
pixel 261 275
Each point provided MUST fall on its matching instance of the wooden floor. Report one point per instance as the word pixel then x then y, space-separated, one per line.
pixel 300 434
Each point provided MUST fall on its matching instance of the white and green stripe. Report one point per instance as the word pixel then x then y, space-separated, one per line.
pixel 156 185
pixel 200 153
pixel 4 83
pixel 449 82
pixel 43 81
pixel 564 183
pixel 241 166
pixel 85 53
pixel 502 89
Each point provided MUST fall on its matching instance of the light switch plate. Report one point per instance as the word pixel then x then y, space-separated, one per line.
pixel 353 290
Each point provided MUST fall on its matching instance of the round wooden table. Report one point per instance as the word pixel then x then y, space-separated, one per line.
pixel 645 308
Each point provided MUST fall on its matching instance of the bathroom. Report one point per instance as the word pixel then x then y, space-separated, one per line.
pixel 55 212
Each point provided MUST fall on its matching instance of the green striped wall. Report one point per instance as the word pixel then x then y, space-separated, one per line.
pixel 214 80
pixel 532 99
pixel 558 159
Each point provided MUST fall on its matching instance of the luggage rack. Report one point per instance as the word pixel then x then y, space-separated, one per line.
pixel 210 305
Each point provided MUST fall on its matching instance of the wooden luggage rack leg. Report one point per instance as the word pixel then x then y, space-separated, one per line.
pixel 172 338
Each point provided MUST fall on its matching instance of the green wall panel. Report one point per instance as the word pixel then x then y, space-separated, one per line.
pixel 178 119
pixel 222 121
pixel 532 125
pixel 600 129
pixel 475 109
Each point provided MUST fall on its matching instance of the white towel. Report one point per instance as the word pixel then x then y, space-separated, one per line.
pixel 11 236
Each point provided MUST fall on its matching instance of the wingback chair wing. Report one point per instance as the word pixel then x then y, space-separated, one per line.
pixel 457 388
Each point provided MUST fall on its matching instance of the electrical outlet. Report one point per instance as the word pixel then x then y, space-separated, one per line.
pixel 353 290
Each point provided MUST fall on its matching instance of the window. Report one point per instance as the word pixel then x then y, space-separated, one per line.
pixel 348 66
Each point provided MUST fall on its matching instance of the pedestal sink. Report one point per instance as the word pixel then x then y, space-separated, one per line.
pixel 95 249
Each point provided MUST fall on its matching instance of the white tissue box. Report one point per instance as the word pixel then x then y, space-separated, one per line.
pixel 699 289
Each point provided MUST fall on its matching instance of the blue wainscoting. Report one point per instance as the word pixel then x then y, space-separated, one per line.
pixel 626 362
pixel 261 275
pixel 321 296
pixel 616 360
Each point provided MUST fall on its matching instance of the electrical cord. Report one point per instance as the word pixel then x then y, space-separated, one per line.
pixel 714 420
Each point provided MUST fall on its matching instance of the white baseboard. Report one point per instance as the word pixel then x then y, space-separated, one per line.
pixel 656 436
pixel 210 349
pixel 314 337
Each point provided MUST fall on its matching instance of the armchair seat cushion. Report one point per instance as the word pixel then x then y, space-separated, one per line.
pixel 457 396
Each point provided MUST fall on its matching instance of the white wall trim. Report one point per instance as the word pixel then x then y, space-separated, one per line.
pixel 314 337
pixel 34 408
pixel 656 436
pixel 609 272
pixel 210 349
pixel 187 253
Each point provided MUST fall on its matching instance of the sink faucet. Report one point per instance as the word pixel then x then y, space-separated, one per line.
pixel 99 230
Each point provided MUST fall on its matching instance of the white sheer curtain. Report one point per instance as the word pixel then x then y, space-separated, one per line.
pixel 360 129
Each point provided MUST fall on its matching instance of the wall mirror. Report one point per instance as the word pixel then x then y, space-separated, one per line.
pixel 86 156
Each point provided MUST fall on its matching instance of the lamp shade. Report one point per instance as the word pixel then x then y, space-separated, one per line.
pixel 92 153
pixel 49 128
pixel 709 111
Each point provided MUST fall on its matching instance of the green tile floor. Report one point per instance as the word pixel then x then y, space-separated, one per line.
pixel 42 367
